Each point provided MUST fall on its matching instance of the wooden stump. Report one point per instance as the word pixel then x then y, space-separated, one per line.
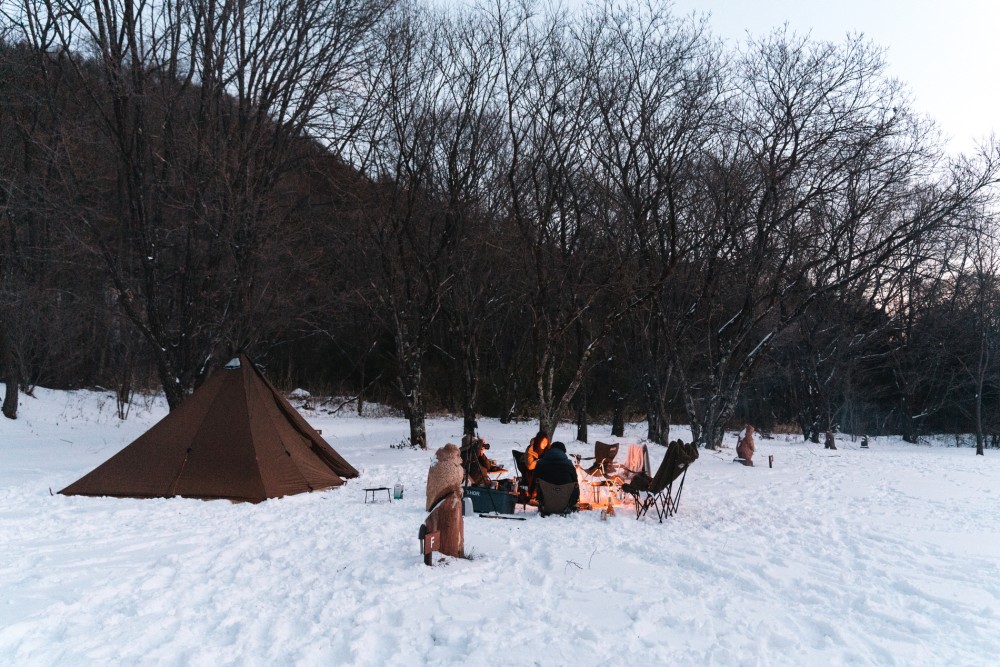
pixel 446 520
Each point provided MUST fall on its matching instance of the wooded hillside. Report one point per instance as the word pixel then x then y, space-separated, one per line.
pixel 501 209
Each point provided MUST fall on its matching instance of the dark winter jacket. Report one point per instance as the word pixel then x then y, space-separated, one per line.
pixel 555 467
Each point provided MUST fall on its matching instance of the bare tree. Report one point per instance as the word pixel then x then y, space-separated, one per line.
pixel 823 177
pixel 48 290
pixel 207 106
pixel 657 84
pixel 972 337
pixel 434 154
pixel 579 280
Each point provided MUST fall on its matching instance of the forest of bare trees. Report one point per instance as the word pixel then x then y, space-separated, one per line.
pixel 499 209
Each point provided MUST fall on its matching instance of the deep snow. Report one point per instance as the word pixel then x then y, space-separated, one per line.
pixel 882 556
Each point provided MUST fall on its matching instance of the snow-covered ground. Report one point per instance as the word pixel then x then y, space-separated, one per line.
pixel 882 556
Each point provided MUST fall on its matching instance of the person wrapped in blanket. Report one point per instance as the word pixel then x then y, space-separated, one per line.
pixel 745 447
pixel 555 467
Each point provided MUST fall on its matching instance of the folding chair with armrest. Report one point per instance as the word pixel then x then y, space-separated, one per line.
pixel 603 472
pixel 555 498
pixel 524 477
pixel 603 458
pixel 659 491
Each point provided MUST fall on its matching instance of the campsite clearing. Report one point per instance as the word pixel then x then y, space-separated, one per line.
pixel 879 556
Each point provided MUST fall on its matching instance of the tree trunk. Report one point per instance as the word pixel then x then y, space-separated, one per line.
pixel 657 421
pixel 980 381
pixel 418 428
pixel 124 391
pixel 809 421
pixel 547 424
pixel 172 387
pixel 11 396
pixel 691 408
pixel 548 417
pixel 413 410
pixel 980 436
pixel 581 416
pixel 712 434
pixel 11 375
pixel 470 365
pixel 361 392
pixel 409 382
pixel 618 418
pixel 804 428
pixel 509 400
pixel 469 422
pixel 718 409
pixel 908 425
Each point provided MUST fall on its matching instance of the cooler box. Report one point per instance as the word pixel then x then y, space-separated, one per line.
pixel 490 500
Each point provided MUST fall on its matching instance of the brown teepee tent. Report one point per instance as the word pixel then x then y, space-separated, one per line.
pixel 235 437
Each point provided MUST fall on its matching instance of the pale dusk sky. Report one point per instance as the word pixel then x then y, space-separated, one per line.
pixel 946 51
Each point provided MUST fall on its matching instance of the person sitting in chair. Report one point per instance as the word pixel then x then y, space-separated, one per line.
pixel 475 462
pixel 555 467
pixel 538 446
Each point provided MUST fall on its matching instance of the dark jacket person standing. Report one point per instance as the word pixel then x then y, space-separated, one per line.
pixel 555 468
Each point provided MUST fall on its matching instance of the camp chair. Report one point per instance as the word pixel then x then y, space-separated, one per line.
pixel 603 458
pixel 524 493
pixel 554 498
pixel 660 493
pixel 603 472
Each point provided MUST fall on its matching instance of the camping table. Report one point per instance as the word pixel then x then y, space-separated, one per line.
pixel 595 490
pixel 611 489
pixel 372 491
